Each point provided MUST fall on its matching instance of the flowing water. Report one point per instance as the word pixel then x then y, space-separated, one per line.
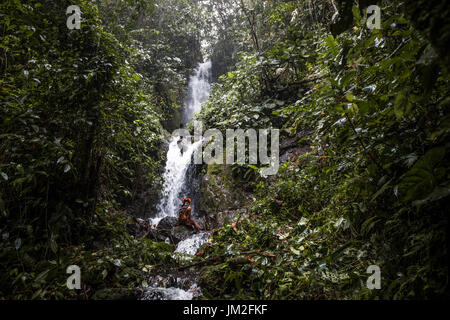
pixel 180 180
pixel 170 293
pixel 191 245
pixel 198 90
pixel 175 175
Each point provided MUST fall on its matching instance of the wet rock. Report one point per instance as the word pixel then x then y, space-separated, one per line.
pixel 222 195
pixel 292 147
pixel 214 194
pixel 144 201
pixel 169 293
pixel 167 230
pixel 182 279
pixel 201 221
pixel 165 226
pixel 181 233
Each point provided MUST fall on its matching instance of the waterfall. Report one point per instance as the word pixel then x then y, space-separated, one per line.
pixel 198 90
pixel 181 179
pixel 178 174
pixel 174 179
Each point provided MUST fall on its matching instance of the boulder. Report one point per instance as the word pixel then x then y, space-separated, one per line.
pixel 181 233
pixel 166 225
pixel 164 228
pixel 219 219
pixel 220 190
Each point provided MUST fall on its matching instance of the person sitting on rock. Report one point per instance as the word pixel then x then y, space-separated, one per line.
pixel 184 215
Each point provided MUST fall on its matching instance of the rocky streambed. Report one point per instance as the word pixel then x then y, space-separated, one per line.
pixel 176 284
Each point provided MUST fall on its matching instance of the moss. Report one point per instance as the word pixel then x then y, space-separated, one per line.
pixel 216 170
pixel 220 190
pixel 211 279
pixel 158 247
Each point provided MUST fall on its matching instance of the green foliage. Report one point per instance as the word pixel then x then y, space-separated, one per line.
pixel 81 114
pixel 116 260
pixel 80 139
pixel 167 47
pixel 374 189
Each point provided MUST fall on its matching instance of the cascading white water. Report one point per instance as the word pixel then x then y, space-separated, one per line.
pixel 198 90
pixel 175 182
pixel 178 162
pixel 158 293
pixel 191 245
pixel 174 177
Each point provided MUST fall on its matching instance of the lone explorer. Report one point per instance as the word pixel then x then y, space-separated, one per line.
pixel 184 215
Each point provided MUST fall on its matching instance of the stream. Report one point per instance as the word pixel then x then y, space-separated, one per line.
pixel 181 180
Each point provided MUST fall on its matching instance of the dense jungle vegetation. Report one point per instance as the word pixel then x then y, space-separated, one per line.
pixel 84 114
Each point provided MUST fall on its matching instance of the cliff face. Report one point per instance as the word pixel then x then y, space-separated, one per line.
pixel 221 196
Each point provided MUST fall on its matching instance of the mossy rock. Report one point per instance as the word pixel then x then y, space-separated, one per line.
pixel 220 191
pixel 159 246
pixel 216 169
pixel 164 228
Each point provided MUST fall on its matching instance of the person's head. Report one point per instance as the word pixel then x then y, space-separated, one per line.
pixel 188 200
